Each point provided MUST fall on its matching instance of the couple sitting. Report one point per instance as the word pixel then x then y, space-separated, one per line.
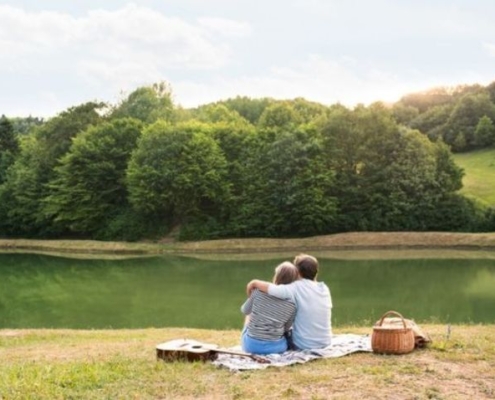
pixel 293 312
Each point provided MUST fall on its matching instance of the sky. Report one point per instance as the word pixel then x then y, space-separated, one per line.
pixel 55 54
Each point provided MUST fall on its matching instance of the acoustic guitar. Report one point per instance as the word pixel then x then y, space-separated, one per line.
pixel 192 350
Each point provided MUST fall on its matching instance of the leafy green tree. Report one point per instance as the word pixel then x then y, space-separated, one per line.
pixel 248 108
pixel 8 140
pixel 89 189
pixel 485 132
pixel 299 188
pixel 9 146
pixel 404 114
pixel 177 172
pixel 460 142
pixel 25 125
pixel 147 104
pixel 238 142
pixel 465 117
pixel 279 116
pixel 27 181
pixel 448 175
pixel 219 113
pixel 308 111
pixel 432 122
pixel 387 178
pixel 491 91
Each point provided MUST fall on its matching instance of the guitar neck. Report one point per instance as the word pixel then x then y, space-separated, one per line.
pixel 242 354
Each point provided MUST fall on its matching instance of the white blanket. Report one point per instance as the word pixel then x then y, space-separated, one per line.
pixel 341 346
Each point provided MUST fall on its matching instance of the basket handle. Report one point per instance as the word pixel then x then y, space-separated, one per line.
pixel 392 312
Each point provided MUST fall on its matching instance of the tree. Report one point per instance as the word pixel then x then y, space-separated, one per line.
pixel 298 196
pixel 386 177
pixel 484 134
pixel 176 173
pixel 308 111
pixel 432 121
pixel 25 125
pixel 9 146
pixel 218 113
pixel 404 114
pixel 465 117
pixel 89 190
pixel 279 116
pixel 147 104
pixel 248 108
pixel 8 141
pixel 27 181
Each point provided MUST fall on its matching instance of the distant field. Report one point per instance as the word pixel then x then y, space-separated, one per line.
pixel 479 178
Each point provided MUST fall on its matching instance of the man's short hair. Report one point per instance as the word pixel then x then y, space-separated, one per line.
pixel 307 266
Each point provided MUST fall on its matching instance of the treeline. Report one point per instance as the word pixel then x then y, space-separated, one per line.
pixel 145 168
pixel 462 116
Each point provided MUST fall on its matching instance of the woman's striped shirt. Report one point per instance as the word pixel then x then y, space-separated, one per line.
pixel 269 317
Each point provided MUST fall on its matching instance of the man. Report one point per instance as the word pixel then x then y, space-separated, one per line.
pixel 312 325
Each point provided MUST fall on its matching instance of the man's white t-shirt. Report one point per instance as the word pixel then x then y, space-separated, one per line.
pixel 312 327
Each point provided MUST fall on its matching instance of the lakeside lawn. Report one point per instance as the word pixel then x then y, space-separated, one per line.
pixel 350 241
pixel 121 364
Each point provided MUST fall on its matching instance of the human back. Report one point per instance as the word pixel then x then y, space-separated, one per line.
pixel 312 324
pixel 268 317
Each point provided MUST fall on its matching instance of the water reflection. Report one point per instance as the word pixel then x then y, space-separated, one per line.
pixel 46 291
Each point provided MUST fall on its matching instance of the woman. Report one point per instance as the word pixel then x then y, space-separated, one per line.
pixel 269 318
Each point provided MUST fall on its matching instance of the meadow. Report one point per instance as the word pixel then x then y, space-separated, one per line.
pixel 122 364
pixel 479 178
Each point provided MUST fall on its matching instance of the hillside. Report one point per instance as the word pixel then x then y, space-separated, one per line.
pixel 479 181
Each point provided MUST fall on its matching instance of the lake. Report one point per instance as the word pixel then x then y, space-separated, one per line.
pixel 42 291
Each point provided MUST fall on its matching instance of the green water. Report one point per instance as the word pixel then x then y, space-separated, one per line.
pixel 38 291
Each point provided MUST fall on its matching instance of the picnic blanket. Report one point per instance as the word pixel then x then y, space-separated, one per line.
pixel 341 346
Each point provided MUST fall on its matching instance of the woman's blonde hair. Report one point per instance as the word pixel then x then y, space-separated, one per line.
pixel 285 273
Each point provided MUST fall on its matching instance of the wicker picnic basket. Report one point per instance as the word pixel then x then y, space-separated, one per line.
pixel 392 340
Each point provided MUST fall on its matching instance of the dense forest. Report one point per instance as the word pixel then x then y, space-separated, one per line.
pixel 146 168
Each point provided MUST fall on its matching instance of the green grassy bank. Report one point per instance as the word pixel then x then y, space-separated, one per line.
pixel 344 241
pixel 479 179
pixel 121 364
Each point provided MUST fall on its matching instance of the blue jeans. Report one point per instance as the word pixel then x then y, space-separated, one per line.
pixel 258 346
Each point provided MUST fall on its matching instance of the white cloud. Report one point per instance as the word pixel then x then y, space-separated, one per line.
pixel 129 35
pixel 490 48
pixel 226 27
pixel 101 52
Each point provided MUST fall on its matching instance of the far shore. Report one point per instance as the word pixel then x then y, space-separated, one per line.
pixel 352 242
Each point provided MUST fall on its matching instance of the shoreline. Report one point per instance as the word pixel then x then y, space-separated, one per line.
pixel 352 241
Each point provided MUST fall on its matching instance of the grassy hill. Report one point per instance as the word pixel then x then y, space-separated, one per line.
pixel 479 180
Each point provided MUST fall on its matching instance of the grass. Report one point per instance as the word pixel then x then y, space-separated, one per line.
pixel 342 242
pixel 479 180
pixel 105 364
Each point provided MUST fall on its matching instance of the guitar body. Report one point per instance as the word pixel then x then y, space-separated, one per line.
pixel 186 350
pixel 192 350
